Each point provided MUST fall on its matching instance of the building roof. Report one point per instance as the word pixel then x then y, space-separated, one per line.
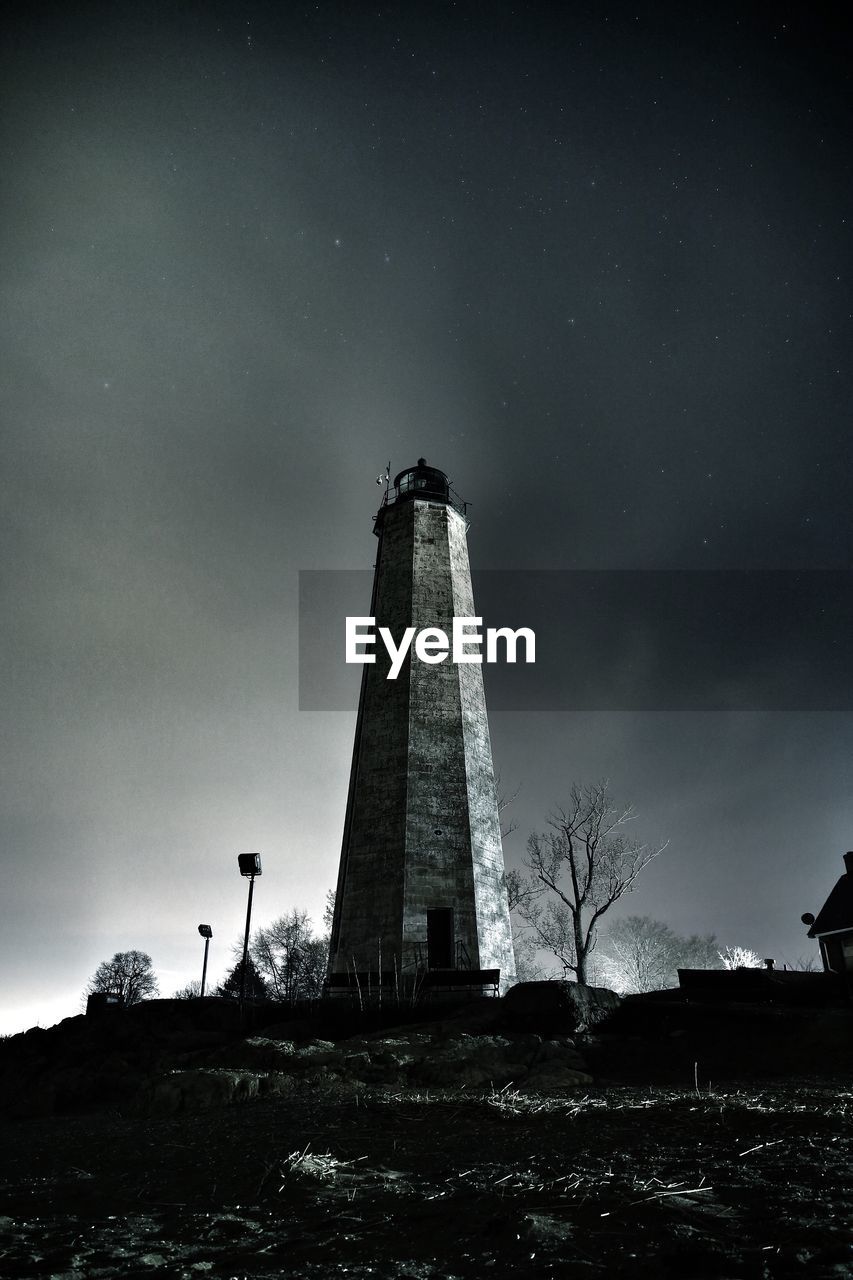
pixel 836 913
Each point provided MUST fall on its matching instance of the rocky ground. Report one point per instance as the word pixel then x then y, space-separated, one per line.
pixel 458 1148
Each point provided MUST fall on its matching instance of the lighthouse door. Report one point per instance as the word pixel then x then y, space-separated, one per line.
pixel 440 938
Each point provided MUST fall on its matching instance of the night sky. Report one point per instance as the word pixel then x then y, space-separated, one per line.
pixel 594 263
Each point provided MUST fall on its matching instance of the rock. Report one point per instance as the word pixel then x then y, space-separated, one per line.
pixel 275 1085
pixel 526 1044
pixel 561 1052
pixel 544 1228
pixel 446 1060
pixel 143 1063
pixel 474 1061
pixel 318 1046
pixel 316 1055
pixel 557 1008
pixel 554 1077
pixel 378 1074
pixel 322 1060
pixel 406 1047
pixel 201 1089
pixel 446 1073
pixel 256 1053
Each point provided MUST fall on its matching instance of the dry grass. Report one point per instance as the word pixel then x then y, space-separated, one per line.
pixel 744 1181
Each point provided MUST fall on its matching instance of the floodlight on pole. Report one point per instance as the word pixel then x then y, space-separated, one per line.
pixel 250 865
pixel 207 933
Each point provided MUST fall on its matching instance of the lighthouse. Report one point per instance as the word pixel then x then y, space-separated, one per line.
pixel 421 896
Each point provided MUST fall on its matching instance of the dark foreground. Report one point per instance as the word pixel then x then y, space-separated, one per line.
pixel 620 1180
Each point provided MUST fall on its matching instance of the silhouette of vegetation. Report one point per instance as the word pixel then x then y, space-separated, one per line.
pixel 191 991
pixel 576 872
pixel 524 946
pixel 256 988
pixel 740 958
pixel 642 954
pixel 527 968
pixel 129 975
pixel 290 958
pixel 329 911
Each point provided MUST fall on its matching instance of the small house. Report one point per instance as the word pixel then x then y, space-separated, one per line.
pixel 833 925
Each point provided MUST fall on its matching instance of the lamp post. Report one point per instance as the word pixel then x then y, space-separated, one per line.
pixel 207 933
pixel 250 865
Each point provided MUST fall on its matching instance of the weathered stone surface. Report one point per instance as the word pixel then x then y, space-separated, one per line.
pixel 256 1053
pixel 553 1008
pixel 473 1061
pixel 422 830
pixel 554 1077
pixel 205 1088
pixel 415 1059
pixel 562 1052
pixel 126 1065
pixel 196 1091
pixel 316 1047
pixel 545 1228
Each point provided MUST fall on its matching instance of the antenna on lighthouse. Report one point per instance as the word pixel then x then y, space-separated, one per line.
pixel 385 477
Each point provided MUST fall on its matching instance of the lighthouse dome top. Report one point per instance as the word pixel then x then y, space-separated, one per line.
pixel 422 481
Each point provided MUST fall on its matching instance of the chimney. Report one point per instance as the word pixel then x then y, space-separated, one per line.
pixel 848 862
pixel 768 964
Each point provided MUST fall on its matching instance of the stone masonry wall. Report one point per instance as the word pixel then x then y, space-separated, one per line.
pixel 369 900
pixel 438 840
pixel 422 828
pixel 492 910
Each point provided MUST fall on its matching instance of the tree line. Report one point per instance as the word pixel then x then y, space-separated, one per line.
pixel 286 962
pixel 572 875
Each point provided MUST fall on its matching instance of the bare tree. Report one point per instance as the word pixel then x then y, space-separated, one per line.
pixel 642 954
pixel 190 991
pixel 585 863
pixel 290 959
pixel 519 890
pixel 639 955
pixel 527 969
pixel 518 893
pixel 329 912
pixel 129 975
pixel 699 952
pixel 504 800
pixel 740 958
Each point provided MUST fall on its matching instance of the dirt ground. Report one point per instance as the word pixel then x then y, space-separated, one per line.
pixel 727 1181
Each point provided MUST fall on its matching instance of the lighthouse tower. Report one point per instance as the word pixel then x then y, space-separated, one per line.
pixel 421 896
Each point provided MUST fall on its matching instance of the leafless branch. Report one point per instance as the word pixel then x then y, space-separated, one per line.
pixel 587 862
